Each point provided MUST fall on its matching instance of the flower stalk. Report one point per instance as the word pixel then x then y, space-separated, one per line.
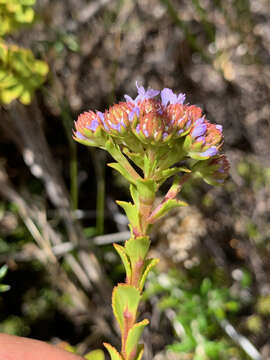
pixel 162 137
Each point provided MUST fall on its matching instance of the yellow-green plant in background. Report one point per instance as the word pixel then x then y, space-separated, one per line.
pixel 20 72
pixel 14 13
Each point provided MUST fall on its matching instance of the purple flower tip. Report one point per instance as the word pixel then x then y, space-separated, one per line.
pixel 94 125
pixel 134 111
pixel 212 151
pixel 219 127
pixel 101 116
pixel 198 131
pixel 145 95
pixel 169 97
pixel 128 98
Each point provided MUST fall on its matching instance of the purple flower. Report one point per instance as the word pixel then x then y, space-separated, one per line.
pixel 142 94
pixel 134 111
pixel 93 126
pixel 219 127
pixel 199 129
pixel 101 116
pixel 212 151
pixel 169 97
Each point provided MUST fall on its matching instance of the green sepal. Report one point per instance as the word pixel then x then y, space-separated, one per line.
pixel 164 208
pixel 149 264
pixel 197 156
pixel 125 298
pixel 86 142
pixel 187 143
pixel 137 249
pixel 122 171
pixel 139 352
pixel 95 355
pixel 113 352
pixel 131 212
pixel 122 253
pixel 133 338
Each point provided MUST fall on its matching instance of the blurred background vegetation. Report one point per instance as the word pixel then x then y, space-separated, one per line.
pixel 210 296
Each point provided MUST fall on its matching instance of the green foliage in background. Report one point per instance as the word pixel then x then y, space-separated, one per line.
pixel 20 73
pixel 198 308
pixel 3 271
pixel 14 13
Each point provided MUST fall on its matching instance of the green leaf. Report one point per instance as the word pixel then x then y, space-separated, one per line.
pixel 116 153
pixel 135 195
pixel 95 355
pixel 137 249
pixel 146 188
pixel 113 352
pixel 4 288
pixel 3 271
pixel 41 68
pixel 165 174
pixel 125 298
pixel 133 338
pixel 25 98
pixel 164 208
pixel 205 286
pixel 131 212
pixel 135 157
pixel 149 264
pixel 149 165
pixel 122 171
pixel 139 352
pixel 10 94
pixel 122 253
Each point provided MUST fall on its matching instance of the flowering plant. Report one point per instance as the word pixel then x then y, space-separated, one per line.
pixel 151 139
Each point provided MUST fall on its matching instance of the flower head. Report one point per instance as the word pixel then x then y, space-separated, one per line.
pixel 154 119
pixel 215 170
pixel 89 128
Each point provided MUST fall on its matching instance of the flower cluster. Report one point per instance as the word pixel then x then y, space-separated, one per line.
pixel 158 119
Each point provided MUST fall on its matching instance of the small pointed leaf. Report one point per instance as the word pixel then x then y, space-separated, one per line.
pixel 122 171
pixel 122 253
pixel 149 264
pixel 125 298
pixel 113 352
pixel 137 248
pixel 134 195
pixel 135 157
pixel 133 338
pixel 165 174
pixel 164 208
pixel 131 212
